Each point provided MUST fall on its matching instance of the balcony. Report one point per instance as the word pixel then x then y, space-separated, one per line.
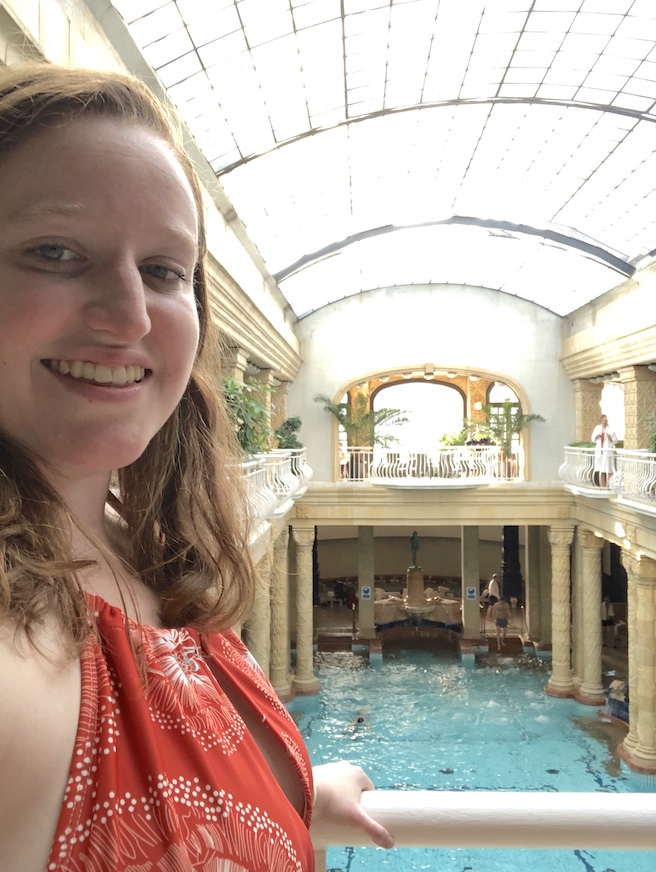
pixel 449 466
pixel 631 484
pixel 274 481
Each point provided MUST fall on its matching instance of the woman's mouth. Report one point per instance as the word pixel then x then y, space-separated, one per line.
pixel 98 373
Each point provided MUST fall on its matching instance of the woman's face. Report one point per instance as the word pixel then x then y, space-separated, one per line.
pixel 98 321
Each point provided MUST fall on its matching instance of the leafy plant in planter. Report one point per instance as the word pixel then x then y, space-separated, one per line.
pixel 360 423
pixel 248 414
pixel 286 433
pixel 503 423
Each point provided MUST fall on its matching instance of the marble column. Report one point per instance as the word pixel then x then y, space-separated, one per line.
pixel 366 619
pixel 641 754
pixel 628 560
pixel 258 626
pixel 304 680
pixel 280 671
pixel 471 577
pixel 591 690
pixel 234 363
pixel 538 562
pixel 587 398
pixel 279 404
pixel 639 384
pixel 560 683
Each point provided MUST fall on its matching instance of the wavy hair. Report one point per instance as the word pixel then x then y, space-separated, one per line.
pixel 182 502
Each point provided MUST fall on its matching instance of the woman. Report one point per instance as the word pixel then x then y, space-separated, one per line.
pixel 604 441
pixel 137 733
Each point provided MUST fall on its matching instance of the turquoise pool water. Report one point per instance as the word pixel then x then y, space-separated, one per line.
pixel 432 724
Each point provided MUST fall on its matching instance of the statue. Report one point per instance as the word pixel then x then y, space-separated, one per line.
pixel 414 547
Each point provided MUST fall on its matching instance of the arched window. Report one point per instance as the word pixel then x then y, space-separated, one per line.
pixel 433 410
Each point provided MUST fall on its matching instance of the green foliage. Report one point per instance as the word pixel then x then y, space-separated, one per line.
pixel 248 414
pixel 360 423
pixel 581 445
pixel 503 422
pixel 286 433
pixel 458 437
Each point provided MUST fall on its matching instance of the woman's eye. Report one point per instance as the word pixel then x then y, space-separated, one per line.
pixel 165 273
pixel 55 253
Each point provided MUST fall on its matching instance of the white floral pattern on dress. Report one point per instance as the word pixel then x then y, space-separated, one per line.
pixel 169 779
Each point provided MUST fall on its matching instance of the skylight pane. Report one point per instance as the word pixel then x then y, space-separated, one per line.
pixel 317 12
pixel 167 49
pixel 179 70
pixel 156 24
pixel 263 22
pixel 214 24
pixel 596 23
pixel 132 10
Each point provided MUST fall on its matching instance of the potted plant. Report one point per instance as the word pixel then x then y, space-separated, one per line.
pixel 502 425
pixel 360 424
pixel 286 433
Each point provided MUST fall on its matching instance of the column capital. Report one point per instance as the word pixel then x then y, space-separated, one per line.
pixel 588 539
pixel 303 536
pixel 636 373
pixel 561 536
pixel 641 569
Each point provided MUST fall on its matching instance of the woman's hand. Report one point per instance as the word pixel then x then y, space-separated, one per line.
pixel 338 790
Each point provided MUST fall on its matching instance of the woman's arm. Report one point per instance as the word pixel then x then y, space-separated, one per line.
pixel 40 705
pixel 338 790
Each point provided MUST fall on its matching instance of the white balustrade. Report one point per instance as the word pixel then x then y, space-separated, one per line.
pixel 500 819
pixel 443 464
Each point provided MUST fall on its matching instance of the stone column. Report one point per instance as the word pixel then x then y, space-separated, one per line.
pixel 258 627
pixel 304 681
pixel 560 683
pixel 471 577
pixel 591 690
pixel 628 560
pixel 512 585
pixel 235 361
pixel 534 571
pixel 366 619
pixel 280 618
pixel 586 403
pixel 642 755
pixel 279 405
pixel 639 384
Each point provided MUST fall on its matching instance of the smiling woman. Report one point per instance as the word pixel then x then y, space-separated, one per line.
pixel 137 730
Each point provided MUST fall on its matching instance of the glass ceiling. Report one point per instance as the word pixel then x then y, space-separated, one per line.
pixel 508 144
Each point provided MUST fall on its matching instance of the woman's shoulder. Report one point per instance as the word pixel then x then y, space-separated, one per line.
pixel 40 692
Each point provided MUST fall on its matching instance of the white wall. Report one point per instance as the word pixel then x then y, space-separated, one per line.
pixel 453 327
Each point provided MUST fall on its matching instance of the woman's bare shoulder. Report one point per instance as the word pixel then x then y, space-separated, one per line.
pixel 40 703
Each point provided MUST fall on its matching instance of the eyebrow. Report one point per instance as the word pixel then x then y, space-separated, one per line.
pixel 32 213
pixel 72 210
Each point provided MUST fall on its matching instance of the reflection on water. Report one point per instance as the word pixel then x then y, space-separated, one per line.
pixel 434 724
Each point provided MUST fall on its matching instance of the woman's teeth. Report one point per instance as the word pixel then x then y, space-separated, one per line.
pixel 97 372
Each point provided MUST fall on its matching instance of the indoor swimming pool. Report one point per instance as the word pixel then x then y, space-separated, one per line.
pixel 430 723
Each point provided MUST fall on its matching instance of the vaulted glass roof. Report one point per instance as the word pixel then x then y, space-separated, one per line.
pixel 509 144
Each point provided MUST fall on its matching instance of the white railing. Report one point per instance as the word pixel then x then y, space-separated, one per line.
pixel 446 465
pixel 633 477
pixel 500 819
pixel 274 480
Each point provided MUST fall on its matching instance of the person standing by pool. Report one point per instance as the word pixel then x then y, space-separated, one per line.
pixel 501 616
pixel 493 589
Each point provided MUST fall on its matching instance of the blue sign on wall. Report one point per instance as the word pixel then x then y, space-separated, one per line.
pixel 365 593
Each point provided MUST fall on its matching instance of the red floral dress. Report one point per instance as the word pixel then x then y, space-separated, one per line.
pixel 165 776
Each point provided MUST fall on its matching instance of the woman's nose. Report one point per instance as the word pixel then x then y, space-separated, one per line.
pixel 118 305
